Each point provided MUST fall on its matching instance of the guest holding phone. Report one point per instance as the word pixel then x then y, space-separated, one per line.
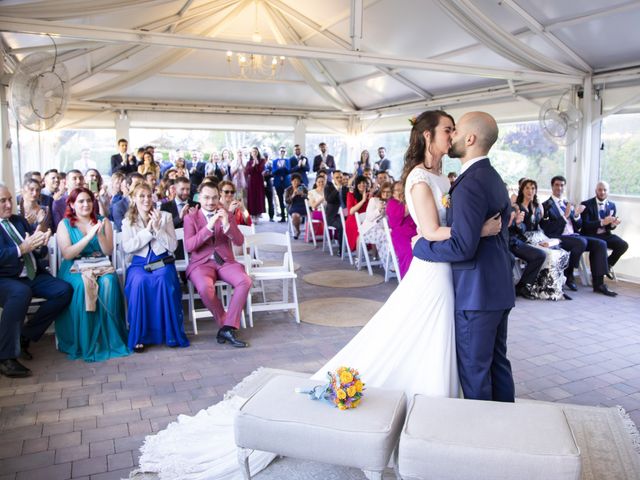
pixel 234 205
pixel 92 326
pixel 294 197
pixel 357 202
pixel 152 288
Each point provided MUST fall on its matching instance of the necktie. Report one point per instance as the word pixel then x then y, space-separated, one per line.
pixel 180 206
pixel 28 260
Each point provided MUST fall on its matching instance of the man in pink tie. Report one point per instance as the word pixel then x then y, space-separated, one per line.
pixel 208 234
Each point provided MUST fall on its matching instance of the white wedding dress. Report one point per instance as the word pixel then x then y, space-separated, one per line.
pixel 408 345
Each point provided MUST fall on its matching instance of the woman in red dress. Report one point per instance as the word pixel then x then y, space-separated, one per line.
pixel 255 184
pixel 357 202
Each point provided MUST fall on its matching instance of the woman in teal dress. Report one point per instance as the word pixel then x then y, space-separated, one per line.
pixel 91 335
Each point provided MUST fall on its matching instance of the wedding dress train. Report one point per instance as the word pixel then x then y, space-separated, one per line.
pixel 408 345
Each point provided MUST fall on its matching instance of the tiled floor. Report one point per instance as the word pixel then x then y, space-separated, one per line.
pixel 81 420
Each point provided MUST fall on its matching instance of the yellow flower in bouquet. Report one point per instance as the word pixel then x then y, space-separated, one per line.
pixel 346 377
pixel 359 386
pixel 345 388
pixel 341 394
pixel 351 391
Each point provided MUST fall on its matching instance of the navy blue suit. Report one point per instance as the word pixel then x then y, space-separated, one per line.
pixel 482 275
pixel 281 180
pixel 591 224
pixel 296 167
pixel 553 224
pixel 119 211
pixel 16 293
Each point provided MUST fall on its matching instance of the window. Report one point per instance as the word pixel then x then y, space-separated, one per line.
pixel 522 150
pixel 620 156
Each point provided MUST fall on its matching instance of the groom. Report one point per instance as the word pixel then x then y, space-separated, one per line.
pixel 481 266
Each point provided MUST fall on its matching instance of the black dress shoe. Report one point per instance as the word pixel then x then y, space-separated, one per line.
pixel 283 220
pixel 604 290
pixel 13 368
pixel 571 285
pixel 524 292
pixel 24 348
pixel 566 297
pixel 226 335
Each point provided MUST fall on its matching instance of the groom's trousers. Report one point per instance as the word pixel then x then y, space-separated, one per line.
pixel 481 343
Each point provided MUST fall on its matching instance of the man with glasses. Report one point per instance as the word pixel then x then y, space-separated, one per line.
pixel 209 233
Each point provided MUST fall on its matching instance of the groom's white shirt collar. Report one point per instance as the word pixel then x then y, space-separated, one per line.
pixel 467 165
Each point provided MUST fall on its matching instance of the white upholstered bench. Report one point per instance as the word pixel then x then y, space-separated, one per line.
pixel 455 439
pixel 277 420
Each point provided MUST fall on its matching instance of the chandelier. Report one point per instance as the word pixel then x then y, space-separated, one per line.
pixel 253 65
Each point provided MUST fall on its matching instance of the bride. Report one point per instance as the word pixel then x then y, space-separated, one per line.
pixel 408 345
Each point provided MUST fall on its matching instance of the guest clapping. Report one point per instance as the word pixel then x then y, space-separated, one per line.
pixel 402 226
pixel 317 199
pixel 37 216
pixel 92 327
pixel 372 230
pixel 294 197
pixel 234 206
pixel 357 202
pixel 152 288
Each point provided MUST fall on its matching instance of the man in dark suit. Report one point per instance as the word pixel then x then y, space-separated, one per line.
pixel 599 219
pixel 122 161
pixel 332 209
pixel 481 307
pixel 196 170
pixel 534 257
pixel 281 180
pixel 300 164
pixel 23 276
pixel 323 161
pixel 563 220
pixel 182 205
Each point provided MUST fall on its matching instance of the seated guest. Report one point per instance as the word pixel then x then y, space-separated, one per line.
pixel 120 208
pixel 181 168
pixel 148 165
pixel 402 227
pixel 37 216
pixel 357 202
pixel 563 221
pixel 92 327
pixel 372 229
pixel 294 197
pixel 234 206
pixel 332 207
pixel 382 176
pixel 73 180
pixel 550 279
pixel 23 276
pixel 599 219
pixel 114 194
pixel 52 184
pixel 181 205
pixel 152 289
pixel 316 198
pixel 208 235
pixel 532 256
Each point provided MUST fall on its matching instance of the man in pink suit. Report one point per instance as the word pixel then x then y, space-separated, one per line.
pixel 208 234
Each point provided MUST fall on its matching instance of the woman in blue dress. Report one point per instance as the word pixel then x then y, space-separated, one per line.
pixel 153 294
pixel 91 332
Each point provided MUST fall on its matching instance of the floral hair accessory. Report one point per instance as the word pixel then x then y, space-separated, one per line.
pixel 413 120
pixel 344 390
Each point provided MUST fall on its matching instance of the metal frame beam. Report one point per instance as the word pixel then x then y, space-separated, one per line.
pixel 120 36
pixel 355 24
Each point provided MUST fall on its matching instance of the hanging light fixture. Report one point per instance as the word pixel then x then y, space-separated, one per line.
pixel 253 65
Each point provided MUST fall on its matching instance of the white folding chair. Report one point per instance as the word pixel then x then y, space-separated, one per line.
pixel 308 226
pixel 328 232
pixel 346 251
pixel 284 272
pixel 223 290
pixel 52 247
pixel 118 258
pixel 392 258
pixel 362 251
pixel 254 255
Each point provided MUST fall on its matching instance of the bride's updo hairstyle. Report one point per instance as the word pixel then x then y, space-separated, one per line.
pixel 426 121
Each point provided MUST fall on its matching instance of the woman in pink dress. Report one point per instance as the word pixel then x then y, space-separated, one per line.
pixel 255 184
pixel 402 226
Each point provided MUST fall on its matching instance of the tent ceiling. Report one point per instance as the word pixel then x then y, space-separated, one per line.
pixel 144 54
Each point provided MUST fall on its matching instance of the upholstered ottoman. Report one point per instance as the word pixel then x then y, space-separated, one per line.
pixel 448 439
pixel 276 419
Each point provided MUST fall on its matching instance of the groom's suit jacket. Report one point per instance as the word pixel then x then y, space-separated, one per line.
pixel 481 266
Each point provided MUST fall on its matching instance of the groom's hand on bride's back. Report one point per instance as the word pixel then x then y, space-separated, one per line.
pixel 493 226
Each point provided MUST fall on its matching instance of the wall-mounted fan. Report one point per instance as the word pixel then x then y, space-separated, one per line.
pixel 39 91
pixel 560 120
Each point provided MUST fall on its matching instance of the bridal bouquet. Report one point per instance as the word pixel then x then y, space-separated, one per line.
pixel 344 389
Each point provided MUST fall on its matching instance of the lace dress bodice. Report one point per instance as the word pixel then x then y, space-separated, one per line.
pixel 439 186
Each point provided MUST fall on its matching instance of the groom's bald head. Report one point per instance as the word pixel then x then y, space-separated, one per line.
pixel 476 132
